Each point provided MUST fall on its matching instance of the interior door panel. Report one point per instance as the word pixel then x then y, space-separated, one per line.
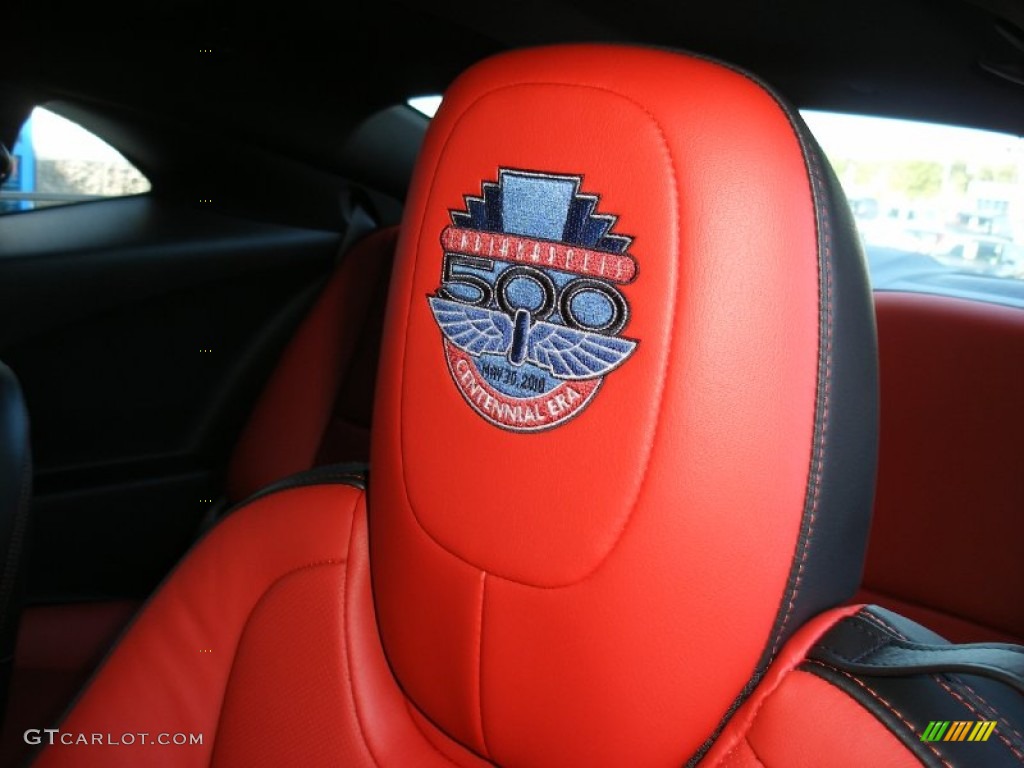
pixel 141 331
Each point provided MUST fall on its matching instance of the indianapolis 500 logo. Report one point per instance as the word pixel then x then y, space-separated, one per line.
pixel 528 303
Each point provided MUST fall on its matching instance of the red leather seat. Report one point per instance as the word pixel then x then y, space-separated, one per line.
pixel 315 408
pixel 946 540
pixel 623 452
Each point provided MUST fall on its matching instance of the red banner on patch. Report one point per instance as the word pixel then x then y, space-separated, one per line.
pixel 616 267
pixel 522 414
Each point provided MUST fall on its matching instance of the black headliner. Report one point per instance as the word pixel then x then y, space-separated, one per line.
pixel 296 77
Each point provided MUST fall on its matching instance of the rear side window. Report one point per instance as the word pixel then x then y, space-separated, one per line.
pixel 940 209
pixel 58 162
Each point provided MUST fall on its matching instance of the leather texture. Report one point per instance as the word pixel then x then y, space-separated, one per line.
pixel 811 700
pixel 640 585
pixel 315 409
pixel 275 599
pixel 793 719
pixel 952 372
pixel 353 474
pixel 606 592
pixel 948 626
pixel 807 723
pixel 58 648
pixel 906 703
pixel 863 645
pixel 15 498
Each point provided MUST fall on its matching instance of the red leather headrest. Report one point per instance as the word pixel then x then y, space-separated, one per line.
pixel 625 431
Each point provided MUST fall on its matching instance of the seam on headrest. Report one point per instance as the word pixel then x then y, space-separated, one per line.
pixel 777 635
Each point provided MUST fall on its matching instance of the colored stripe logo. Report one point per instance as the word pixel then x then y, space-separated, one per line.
pixel 958 730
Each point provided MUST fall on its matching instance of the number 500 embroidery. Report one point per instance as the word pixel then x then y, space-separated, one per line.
pixel 470 288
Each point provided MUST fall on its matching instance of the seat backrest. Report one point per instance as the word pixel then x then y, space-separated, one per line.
pixel 949 511
pixel 15 497
pixel 316 406
pixel 950 374
pixel 625 427
pixel 623 466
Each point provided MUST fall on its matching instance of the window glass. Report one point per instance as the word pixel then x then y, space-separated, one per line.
pixel 940 209
pixel 425 105
pixel 57 162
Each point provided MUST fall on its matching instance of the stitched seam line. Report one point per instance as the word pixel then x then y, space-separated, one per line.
pixel 756 712
pixel 897 664
pixel 820 214
pixel 976 713
pixel 303 480
pixel 880 622
pixel 480 664
pixel 883 593
pixel 348 646
pixel 912 646
pixel 416 724
pixel 754 751
pixel 805 544
pixel 878 643
pixel 991 710
pixel 879 634
pixel 659 397
pixel 733 756
pixel 901 642
pixel 885 703
pixel 245 626
pixel 905 643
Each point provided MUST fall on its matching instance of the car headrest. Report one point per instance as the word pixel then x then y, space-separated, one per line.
pixel 625 433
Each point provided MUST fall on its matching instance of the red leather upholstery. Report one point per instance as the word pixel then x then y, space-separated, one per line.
pixel 315 408
pixel 58 647
pixel 601 592
pixel 946 540
pixel 797 720
pixel 264 642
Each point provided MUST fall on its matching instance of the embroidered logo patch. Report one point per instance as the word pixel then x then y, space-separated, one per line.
pixel 528 305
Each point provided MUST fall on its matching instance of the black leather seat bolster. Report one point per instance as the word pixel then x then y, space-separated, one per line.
pixel 931 694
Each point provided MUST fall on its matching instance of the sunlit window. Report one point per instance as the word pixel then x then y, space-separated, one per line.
pixel 56 162
pixel 426 105
pixel 935 205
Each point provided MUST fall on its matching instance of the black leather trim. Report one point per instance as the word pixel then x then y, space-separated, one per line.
pixel 15 499
pixel 854 656
pixel 862 647
pixel 883 709
pixel 828 560
pixel 352 473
